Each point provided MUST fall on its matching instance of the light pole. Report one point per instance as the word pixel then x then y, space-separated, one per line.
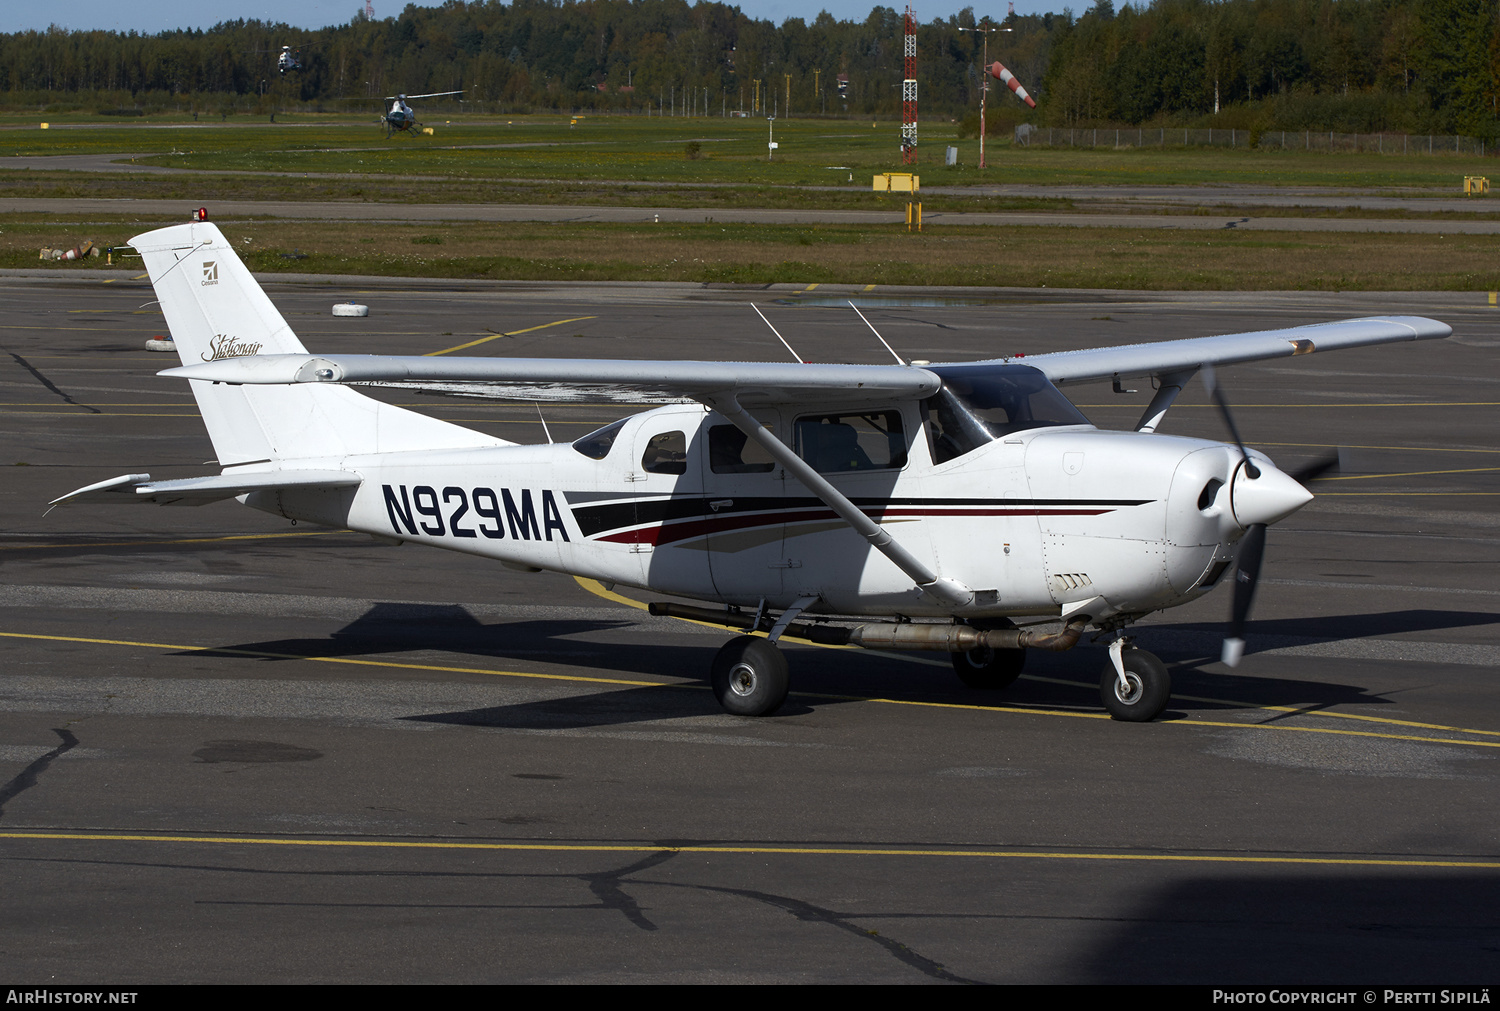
pixel 984 78
pixel 771 138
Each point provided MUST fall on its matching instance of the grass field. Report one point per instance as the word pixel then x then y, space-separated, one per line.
pixel 764 254
pixel 650 162
pixel 820 152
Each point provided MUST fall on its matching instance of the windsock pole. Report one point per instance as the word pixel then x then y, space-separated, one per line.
pixel 997 70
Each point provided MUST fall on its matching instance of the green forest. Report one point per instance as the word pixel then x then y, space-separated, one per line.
pixel 1424 66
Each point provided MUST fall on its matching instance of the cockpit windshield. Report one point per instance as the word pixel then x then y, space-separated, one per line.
pixel 979 405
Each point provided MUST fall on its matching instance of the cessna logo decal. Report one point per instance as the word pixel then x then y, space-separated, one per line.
pixel 224 346
pixel 210 272
pixel 424 508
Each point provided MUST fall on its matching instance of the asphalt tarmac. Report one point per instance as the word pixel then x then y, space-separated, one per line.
pixel 236 750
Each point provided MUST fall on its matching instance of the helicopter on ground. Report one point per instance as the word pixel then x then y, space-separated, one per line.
pixel 400 116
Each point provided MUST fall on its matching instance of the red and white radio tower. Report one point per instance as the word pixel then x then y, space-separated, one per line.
pixel 369 11
pixel 909 94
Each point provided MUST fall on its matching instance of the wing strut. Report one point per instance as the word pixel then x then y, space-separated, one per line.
pixel 948 591
pixel 1169 385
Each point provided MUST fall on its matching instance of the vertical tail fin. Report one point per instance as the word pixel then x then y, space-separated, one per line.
pixel 215 309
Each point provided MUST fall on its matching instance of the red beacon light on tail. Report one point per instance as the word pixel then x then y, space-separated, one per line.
pixel 201 214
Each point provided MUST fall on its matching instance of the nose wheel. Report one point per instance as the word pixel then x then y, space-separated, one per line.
pixel 750 676
pixel 1135 685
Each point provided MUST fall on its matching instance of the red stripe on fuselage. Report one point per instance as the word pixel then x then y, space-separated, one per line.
pixel 669 533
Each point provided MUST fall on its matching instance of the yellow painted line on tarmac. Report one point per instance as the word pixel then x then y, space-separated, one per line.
pixel 597 588
pixel 86 329
pixel 512 333
pixel 93 413
pixel 1399 449
pixel 588 679
pixel 1366 403
pixel 51 403
pixel 183 540
pixel 344 659
pixel 752 850
pixel 869 287
pixel 1410 473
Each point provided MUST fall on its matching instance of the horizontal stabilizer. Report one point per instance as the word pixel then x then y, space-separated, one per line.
pixel 202 490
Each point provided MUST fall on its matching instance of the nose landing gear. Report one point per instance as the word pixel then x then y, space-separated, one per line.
pixel 1134 685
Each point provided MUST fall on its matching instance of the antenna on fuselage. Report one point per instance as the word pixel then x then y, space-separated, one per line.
pixel 877 334
pixel 800 359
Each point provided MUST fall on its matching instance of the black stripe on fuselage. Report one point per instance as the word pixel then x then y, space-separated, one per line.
pixel 601 517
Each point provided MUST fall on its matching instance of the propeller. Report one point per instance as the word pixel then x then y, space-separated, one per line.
pixel 1253 544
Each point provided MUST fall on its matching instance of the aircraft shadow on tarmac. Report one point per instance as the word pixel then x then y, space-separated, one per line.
pixel 396 628
pixel 1332 628
pixel 1395 928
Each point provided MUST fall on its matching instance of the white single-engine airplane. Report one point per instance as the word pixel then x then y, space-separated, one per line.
pixel 898 506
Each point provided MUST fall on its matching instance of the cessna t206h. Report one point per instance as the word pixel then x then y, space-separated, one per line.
pixel 949 507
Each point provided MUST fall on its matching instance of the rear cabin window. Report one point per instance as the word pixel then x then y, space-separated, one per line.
pixel 838 443
pixel 666 454
pixel 731 451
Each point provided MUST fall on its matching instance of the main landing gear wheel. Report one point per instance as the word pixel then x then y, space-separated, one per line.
pixel 989 669
pixel 750 676
pixel 1147 689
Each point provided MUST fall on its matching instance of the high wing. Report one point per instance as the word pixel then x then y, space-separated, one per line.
pixel 1130 361
pixel 202 490
pixel 752 383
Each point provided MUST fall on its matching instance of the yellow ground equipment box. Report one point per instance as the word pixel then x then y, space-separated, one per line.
pixel 897 182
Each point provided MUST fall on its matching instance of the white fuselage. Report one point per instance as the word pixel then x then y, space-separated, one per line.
pixel 1032 523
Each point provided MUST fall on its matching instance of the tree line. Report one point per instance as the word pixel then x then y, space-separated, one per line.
pixel 1349 65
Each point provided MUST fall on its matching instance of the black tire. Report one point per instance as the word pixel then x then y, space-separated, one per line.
pixel 750 677
pixel 989 669
pixel 1150 687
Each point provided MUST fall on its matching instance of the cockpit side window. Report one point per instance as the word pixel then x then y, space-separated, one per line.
pixel 977 406
pixel 868 440
pixel 596 445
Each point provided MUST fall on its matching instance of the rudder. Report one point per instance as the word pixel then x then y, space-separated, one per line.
pixel 215 309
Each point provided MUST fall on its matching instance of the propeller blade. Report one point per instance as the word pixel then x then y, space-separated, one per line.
pixel 1246 575
pixel 1211 383
pixel 1315 470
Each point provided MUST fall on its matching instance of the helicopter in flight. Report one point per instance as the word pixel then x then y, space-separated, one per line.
pixel 400 116
pixel 288 58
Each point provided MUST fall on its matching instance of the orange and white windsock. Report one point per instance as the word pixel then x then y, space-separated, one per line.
pixel 998 71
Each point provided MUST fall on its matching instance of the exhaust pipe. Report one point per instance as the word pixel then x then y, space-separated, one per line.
pixel 962 638
pixel 890 635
